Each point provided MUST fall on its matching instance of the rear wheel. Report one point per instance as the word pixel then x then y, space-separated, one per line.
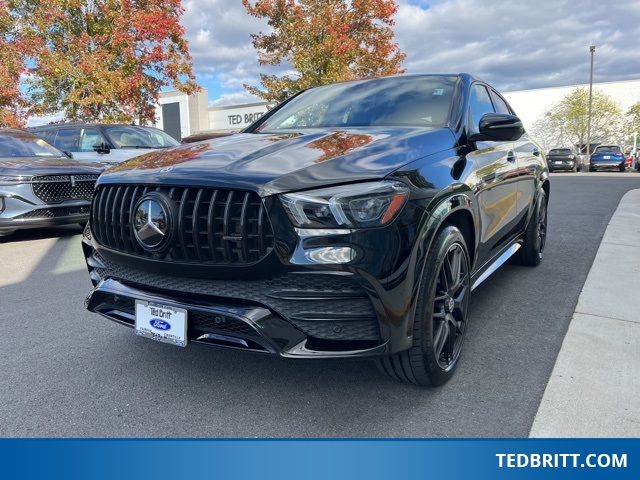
pixel 440 320
pixel 535 237
pixel 623 168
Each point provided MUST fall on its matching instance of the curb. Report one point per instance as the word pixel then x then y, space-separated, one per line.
pixel 594 389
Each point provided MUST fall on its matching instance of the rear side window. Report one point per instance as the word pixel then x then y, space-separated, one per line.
pixel 67 139
pixel 500 104
pixel 479 104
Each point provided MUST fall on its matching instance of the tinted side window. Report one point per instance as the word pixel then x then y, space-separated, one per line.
pixel 500 104
pixel 479 104
pixel 67 139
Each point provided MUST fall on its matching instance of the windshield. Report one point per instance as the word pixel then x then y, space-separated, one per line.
pixel 139 137
pixel 23 144
pixel 395 101
pixel 560 151
pixel 608 149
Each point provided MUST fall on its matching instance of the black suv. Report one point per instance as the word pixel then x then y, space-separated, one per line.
pixel 352 220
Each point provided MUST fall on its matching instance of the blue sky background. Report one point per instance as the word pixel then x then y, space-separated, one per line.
pixel 512 44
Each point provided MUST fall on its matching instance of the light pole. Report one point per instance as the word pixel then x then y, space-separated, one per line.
pixel 592 50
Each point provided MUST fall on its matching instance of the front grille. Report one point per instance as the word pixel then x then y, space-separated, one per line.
pixel 214 226
pixel 59 188
pixel 56 212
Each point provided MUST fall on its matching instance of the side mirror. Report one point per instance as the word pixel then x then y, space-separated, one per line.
pixel 68 154
pixel 101 148
pixel 498 127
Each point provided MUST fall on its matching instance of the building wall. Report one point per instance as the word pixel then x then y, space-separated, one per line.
pixel 236 117
pixel 530 105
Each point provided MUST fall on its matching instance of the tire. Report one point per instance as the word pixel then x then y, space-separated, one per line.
pixel 440 320
pixel 535 235
pixel 591 169
pixel 623 168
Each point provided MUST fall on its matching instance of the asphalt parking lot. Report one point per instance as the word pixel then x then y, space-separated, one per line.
pixel 65 372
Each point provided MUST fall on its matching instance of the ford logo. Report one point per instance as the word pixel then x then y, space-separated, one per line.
pixel 160 324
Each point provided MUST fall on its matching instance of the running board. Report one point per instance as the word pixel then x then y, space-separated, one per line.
pixel 508 253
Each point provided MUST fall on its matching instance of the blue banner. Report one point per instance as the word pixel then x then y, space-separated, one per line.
pixel 319 459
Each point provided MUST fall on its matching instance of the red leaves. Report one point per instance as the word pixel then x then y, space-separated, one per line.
pixel 325 41
pixel 105 60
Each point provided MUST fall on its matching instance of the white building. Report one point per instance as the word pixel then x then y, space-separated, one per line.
pixel 182 115
pixel 530 105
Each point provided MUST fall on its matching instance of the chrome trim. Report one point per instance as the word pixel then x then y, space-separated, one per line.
pixel 506 255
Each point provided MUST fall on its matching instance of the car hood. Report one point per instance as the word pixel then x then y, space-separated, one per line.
pixel 30 166
pixel 276 163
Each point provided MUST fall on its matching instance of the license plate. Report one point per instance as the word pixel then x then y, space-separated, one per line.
pixel 558 163
pixel 162 323
pixel 607 157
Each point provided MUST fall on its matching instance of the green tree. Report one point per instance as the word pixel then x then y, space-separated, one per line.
pixel 565 123
pixel 633 121
pixel 323 41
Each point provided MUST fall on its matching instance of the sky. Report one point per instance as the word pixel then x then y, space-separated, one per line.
pixel 513 45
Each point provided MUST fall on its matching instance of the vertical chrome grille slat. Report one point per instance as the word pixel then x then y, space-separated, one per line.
pixel 195 234
pixel 214 226
pixel 181 213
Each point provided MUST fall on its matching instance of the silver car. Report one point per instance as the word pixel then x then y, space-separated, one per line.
pixel 40 185
pixel 104 143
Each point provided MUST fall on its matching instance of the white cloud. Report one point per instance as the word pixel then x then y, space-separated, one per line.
pixel 514 45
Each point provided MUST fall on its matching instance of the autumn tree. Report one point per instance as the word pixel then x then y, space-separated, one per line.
pixel 324 41
pixel 13 52
pixel 566 122
pixel 105 60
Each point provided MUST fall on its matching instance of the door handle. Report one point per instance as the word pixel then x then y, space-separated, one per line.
pixel 511 156
pixel 536 152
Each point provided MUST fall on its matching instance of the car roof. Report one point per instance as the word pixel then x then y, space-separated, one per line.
pixel 81 124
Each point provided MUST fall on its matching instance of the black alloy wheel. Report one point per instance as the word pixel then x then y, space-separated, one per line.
pixel 535 236
pixel 450 307
pixel 441 315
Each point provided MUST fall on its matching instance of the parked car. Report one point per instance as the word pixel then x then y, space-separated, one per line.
pixel 352 220
pixel 607 157
pixel 108 144
pixel 40 185
pixel 564 159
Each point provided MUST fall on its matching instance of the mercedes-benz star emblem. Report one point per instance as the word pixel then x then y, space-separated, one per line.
pixel 152 223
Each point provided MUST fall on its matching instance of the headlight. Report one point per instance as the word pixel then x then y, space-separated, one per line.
pixel 12 179
pixel 360 205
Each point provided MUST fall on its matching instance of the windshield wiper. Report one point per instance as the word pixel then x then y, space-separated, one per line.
pixel 136 146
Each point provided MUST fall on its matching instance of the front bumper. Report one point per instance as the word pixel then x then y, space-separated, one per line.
pixel 294 314
pixel 21 209
pixel 243 327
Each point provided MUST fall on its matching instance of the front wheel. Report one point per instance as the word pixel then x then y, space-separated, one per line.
pixel 623 168
pixel 440 321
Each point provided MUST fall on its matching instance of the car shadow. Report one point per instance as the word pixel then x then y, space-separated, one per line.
pixel 41 233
